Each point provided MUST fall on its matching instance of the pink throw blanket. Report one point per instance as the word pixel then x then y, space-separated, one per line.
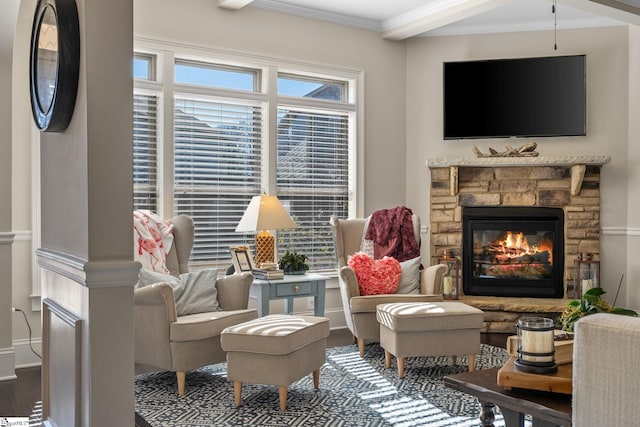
pixel 152 240
pixel 391 231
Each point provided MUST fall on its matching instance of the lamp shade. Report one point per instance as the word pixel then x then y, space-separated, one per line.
pixel 265 213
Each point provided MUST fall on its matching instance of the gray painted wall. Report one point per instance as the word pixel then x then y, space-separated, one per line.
pixel 7 29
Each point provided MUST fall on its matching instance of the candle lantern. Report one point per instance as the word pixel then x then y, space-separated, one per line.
pixel 451 280
pixel 536 351
pixel 586 273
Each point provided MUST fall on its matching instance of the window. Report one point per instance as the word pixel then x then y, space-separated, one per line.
pixel 312 179
pixel 226 147
pixel 312 174
pixel 145 152
pixel 218 76
pixel 311 88
pixel 143 67
pixel 217 169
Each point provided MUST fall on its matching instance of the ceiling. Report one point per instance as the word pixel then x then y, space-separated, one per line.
pixel 400 19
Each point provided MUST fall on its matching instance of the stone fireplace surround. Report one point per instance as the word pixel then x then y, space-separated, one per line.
pixel 571 183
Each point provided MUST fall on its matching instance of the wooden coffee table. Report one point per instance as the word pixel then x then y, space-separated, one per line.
pixel 546 409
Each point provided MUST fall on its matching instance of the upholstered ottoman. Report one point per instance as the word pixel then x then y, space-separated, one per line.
pixel 275 350
pixel 445 328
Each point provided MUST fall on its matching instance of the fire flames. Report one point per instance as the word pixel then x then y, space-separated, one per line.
pixel 515 245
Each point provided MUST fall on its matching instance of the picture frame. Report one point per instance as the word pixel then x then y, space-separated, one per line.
pixel 242 258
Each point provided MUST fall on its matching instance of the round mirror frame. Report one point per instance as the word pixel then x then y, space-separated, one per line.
pixel 56 116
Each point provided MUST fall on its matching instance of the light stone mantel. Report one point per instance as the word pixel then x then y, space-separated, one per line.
pixel 578 166
pixel 492 162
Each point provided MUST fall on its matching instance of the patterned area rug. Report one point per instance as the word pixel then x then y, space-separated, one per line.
pixel 353 392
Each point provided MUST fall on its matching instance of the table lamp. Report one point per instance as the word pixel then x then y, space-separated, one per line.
pixel 265 213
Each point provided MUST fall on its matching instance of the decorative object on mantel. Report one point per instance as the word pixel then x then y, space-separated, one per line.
pixel 590 303
pixel 526 150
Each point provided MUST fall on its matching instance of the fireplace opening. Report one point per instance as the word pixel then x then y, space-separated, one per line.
pixel 513 251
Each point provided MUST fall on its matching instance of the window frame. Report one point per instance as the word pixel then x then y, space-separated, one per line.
pixel 267 71
pixel 151 60
pixel 256 72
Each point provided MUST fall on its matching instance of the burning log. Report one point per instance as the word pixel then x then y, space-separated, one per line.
pixel 518 270
pixel 536 258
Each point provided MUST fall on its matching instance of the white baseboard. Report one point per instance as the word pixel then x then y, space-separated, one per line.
pixel 24 357
pixel 7 364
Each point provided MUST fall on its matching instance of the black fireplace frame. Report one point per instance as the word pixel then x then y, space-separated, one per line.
pixel 522 219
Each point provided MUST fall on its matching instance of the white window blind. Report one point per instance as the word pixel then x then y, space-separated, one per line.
pixel 212 116
pixel 312 179
pixel 217 169
pixel 145 152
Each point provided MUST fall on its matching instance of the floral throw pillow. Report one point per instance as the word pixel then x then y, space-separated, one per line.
pixel 375 277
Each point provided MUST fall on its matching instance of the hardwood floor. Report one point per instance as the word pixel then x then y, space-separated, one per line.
pixel 17 397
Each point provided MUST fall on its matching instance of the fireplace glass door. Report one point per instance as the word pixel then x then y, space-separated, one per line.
pixel 513 251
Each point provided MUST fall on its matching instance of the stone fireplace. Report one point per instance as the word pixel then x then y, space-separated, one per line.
pixel 569 184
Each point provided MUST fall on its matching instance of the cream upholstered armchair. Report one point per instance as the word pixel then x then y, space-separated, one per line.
pixel 360 311
pixel 167 341
pixel 606 378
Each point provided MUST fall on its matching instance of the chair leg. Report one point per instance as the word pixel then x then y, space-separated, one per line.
pixel 282 391
pixel 237 392
pixel 316 379
pixel 181 381
pixel 361 346
pixel 387 359
pixel 400 367
pixel 472 362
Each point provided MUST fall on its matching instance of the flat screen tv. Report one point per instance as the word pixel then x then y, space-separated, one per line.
pixel 524 97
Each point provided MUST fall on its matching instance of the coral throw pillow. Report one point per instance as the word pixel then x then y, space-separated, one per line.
pixel 375 277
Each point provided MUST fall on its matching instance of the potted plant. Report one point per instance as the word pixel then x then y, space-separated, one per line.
pixel 293 263
pixel 590 303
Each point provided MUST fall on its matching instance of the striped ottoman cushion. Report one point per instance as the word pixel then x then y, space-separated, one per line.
pixel 274 334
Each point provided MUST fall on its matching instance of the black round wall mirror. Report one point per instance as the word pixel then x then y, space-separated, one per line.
pixel 54 64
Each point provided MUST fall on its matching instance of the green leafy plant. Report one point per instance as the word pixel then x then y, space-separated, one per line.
pixel 590 303
pixel 293 262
